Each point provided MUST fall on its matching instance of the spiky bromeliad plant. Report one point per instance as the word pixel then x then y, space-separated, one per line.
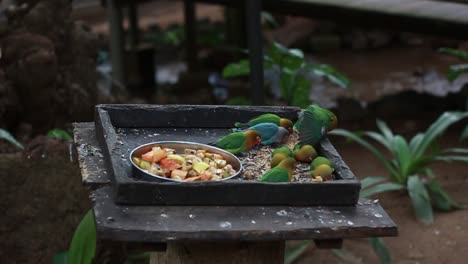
pixel 409 165
pixel 455 70
pixel 292 68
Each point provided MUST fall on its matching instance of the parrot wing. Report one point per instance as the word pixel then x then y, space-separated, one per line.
pixel 265 118
pixel 232 142
pixel 312 128
pixel 267 131
pixel 277 174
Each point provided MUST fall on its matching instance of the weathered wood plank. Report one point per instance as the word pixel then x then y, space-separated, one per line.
pixel 91 159
pixel 236 223
pixel 199 116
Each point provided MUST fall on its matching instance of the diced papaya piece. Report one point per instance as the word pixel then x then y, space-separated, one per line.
pixel 169 164
pixel 158 154
pixel 180 174
pixel 148 156
pixel 205 176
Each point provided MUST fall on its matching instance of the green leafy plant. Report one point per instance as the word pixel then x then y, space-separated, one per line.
pixel 83 245
pixel 10 138
pixel 409 164
pixel 59 134
pixel 292 69
pixel 455 70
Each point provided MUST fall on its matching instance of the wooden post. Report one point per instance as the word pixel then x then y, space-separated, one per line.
pixel 133 24
pixel 254 39
pixel 268 252
pixel 190 34
pixel 116 42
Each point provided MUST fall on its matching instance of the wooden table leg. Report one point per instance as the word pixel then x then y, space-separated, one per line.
pixel 271 252
pixel 253 10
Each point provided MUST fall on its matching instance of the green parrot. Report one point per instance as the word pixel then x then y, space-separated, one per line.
pixel 267 118
pixel 320 161
pixel 280 154
pixel 305 153
pixel 238 142
pixel 314 123
pixel 281 173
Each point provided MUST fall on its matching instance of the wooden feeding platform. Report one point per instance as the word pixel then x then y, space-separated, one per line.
pixel 121 128
pixel 191 229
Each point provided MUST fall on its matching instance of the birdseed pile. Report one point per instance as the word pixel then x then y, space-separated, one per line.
pixel 256 162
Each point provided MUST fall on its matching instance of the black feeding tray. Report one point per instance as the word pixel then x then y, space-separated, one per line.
pixel 121 128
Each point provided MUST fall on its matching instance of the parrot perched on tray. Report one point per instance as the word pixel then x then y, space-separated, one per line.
pixel 270 132
pixel 237 142
pixel 267 118
pixel 281 173
pixel 322 168
pixel 280 154
pixel 304 153
pixel 314 123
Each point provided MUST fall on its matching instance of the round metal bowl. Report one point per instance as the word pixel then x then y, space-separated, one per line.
pixel 179 147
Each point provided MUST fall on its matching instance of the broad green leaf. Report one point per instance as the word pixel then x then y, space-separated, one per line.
pixel 456 150
pixel 300 95
pixel 386 131
pixel 331 74
pixel 452 158
pixel 61 258
pixel 402 153
pixel 380 250
pixel 346 256
pixel 287 82
pixel 268 17
pixel 415 141
pixel 292 59
pixel 380 139
pixel 368 181
pixel 380 188
pixel 436 129
pixel 440 198
pixel 292 254
pixel 364 143
pixel 83 245
pixel 420 199
pixel 59 134
pixel 9 137
pixel 237 69
pixel 464 134
pixel 459 53
pixel 455 70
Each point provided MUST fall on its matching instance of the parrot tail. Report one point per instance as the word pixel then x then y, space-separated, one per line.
pixel 241 125
pixel 237 130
